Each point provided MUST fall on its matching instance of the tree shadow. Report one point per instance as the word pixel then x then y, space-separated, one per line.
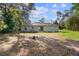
pixel 42 46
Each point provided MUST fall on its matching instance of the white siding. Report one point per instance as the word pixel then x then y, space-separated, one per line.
pixel 36 28
pixel 28 28
pixel 50 28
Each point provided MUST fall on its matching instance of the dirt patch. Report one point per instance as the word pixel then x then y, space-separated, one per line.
pixel 41 46
pixel 7 45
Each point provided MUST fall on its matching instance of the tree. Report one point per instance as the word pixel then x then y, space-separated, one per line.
pixel 73 23
pixel 25 10
pixel 62 17
pixel 75 6
pixel 1 25
pixel 59 15
pixel 11 12
pixel 62 24
pixel 42 20
pixel 11 16
pixel 55 22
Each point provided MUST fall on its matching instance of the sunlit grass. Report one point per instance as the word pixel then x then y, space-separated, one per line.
pixel 74 35
pixel 64 34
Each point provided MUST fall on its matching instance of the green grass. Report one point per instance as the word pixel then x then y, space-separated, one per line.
pixel 64 34
pixel 74 35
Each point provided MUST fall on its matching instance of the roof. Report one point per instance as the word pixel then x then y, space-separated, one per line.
pixel 41 24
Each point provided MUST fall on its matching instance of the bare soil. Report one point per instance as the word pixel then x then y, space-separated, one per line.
pixel 39 46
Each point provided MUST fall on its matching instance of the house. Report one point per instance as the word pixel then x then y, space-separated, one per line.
pixel 41 27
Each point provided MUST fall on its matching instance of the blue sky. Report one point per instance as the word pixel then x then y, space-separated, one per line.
pixel 48 11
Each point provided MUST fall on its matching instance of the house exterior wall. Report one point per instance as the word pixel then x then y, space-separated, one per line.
pixel 37 29
pixel 51 28
pixel 26 29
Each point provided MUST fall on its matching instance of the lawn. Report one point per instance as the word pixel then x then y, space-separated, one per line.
pixel 64 34
pixel 74 35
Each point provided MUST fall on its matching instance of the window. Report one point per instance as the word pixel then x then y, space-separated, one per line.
pixel 25 28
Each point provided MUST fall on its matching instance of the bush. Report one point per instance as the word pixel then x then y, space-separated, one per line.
pixel 73 23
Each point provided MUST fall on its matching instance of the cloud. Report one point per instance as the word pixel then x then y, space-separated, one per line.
pixel 54 11
pixel 54 5
pixel 63 5
pixel 44 9
pixel 39 12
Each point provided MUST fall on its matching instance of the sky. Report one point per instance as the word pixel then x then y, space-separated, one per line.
pixel 48 11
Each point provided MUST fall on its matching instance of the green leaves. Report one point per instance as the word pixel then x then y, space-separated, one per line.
pixel 73 23
pixel 13 17
pixel 75 6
